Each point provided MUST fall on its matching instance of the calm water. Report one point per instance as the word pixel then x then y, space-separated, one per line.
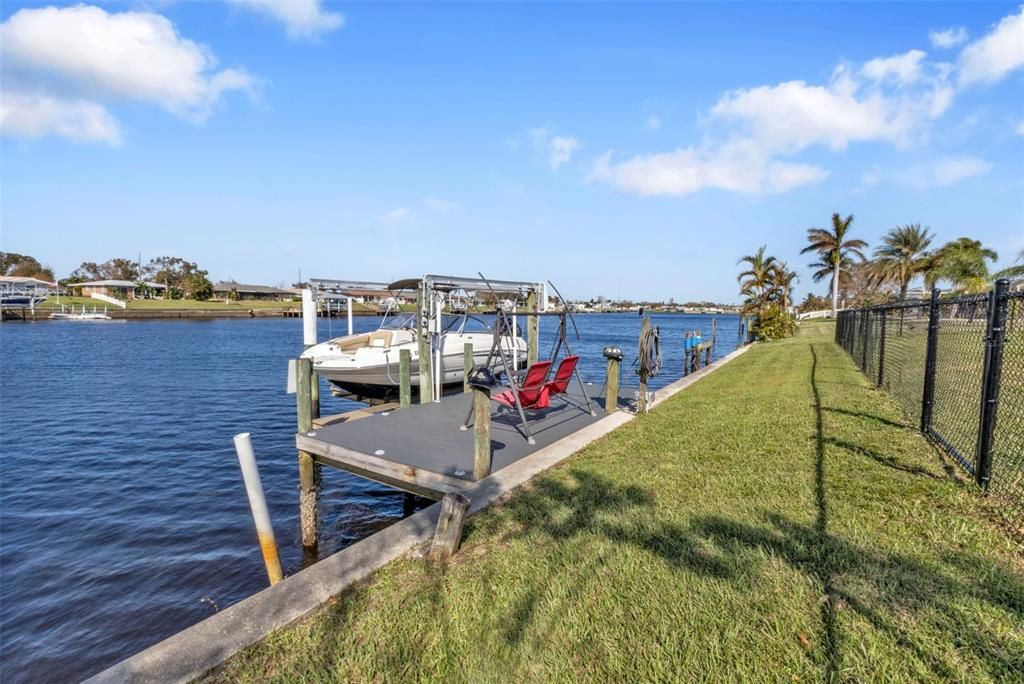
pixel 123 518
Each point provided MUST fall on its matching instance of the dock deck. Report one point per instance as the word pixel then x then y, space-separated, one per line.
pixel 421 450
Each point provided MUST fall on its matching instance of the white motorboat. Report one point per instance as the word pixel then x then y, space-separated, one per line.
pixel 367 363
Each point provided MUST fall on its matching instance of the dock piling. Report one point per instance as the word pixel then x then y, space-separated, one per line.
pixel 423 342
pixel 404 378
pixel 309 476
pixel 258 505
pixel 532 330
pixel 641 404
pixel 481 432
pixel 467 365
pixel 449 526
pixel 611 386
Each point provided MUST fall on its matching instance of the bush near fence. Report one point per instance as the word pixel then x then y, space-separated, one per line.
pixel 957 366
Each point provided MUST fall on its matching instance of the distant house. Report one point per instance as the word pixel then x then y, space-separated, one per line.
pixel 376 296
pixel 26 284
pixel 241 291
pixel 122 289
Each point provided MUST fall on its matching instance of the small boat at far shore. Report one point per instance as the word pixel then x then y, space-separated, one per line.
pixel 82 315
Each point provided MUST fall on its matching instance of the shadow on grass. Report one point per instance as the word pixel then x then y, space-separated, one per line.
pixel 870 417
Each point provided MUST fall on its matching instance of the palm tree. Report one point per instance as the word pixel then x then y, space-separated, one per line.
pixel 1016 271
pixel 782 283
pixel 901 256
pixel 834 249
pixel 962 262
pixel 755 280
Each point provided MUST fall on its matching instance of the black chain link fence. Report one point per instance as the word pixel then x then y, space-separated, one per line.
pixel 957 364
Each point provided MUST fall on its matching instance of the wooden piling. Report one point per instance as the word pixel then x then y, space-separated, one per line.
pixel 532 330
pixel 467 365
pixel 423 341
pixel 611 387
pixel 481 432
pixel 641 403
pixel 404 378
pixel 309 476
pixel 449 526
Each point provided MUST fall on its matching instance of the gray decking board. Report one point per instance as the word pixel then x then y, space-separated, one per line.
pixel 427 436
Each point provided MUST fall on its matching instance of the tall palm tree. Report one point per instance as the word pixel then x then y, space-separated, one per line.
pixel 756 279
pixel 901 256
pixel 963 262
pixel 834 247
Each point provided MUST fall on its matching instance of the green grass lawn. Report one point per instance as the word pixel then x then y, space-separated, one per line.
pixel 779 521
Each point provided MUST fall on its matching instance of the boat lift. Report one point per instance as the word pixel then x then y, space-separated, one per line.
pixel 432 299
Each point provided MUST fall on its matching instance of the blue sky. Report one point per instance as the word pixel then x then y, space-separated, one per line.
pixel 631 148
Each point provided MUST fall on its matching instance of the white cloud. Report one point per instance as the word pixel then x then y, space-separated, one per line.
pixel 875 103
pixel 558 150
pixel 943 172
pixel 395 216
pixel 136 55
pixel 86 55
pixel 302 18
pixel 905 68
pixel 737 167
pixel 951 37
pixel 1020 128
pixel 562 149
pixel 653 122
pixel 441 206
pixel 34 115
pixel 993 56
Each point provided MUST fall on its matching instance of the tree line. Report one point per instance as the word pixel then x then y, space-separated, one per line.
pixel 905 253
pixel 182 278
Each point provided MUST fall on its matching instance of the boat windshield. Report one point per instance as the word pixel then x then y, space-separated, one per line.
pixel 402 321
pixel 449 323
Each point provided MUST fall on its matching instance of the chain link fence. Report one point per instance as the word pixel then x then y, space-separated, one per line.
pixel 957 364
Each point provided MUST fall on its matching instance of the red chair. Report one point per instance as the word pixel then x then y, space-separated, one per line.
pixel 563 375
pixel 534 391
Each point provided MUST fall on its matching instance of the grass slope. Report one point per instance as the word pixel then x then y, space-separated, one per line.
pixel 780 520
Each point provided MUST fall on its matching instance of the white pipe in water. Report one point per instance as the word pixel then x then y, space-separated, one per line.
pixel 349 300
pixel 308 318
pixel 258 504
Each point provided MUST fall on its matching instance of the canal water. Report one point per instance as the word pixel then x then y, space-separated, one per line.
pixel 123 518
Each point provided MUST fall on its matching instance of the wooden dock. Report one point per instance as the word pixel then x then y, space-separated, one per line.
pixel 422 450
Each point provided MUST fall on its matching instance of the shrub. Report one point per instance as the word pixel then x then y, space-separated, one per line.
pixel 773 323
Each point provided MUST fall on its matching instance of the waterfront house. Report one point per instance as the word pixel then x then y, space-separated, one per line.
pixel 243 292
pixel 122 289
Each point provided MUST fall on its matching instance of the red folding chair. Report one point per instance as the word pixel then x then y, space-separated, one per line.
pixel 533 394
pixel 563 375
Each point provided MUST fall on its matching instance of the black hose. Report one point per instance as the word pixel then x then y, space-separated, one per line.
pixel 648 358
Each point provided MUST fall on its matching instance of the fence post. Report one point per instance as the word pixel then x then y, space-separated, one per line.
pixel 881 346
pixel 865 318
pixel 994 338
pixel 928 397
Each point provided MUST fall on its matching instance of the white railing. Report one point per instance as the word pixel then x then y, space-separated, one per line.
pixel 109 300
pixel 808 315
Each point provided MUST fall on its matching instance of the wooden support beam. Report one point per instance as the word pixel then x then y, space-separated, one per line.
pixel 611 385
pixel 449 527
pixel 467 365
pixel 481 433
pixel 532 330
pixel 407 478
pixel 404 378
pixel 358 414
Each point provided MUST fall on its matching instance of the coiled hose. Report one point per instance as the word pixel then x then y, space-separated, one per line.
pixel 648 358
